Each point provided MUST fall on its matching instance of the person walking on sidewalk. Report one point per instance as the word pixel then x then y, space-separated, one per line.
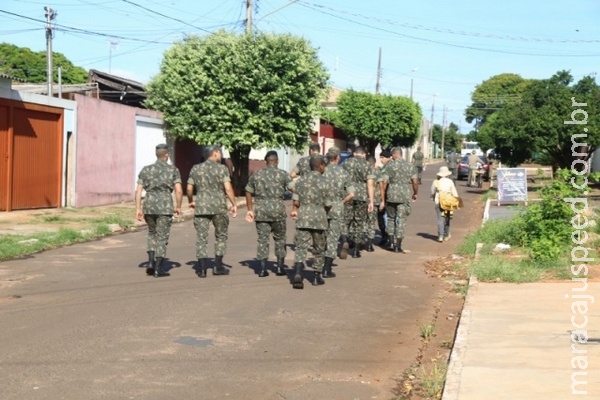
pixel 400 180
pixel 267 187
pixel 452 161
pixel 363 181
pixel 212 184
pixel 443 184
pixel 311 203
pixel 385 156
pixel 158 180
pixel 417 161
pixel 342 192
pixel 303 166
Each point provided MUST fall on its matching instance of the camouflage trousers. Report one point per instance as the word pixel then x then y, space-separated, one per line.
pixel 302 241
pixel 397 215
pixel 159 227
pixel 264 229
pixel 336 229
pixel 372 219
pixel 357 220
pixel 202 224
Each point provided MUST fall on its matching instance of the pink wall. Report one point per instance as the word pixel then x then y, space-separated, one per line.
pixel 105 159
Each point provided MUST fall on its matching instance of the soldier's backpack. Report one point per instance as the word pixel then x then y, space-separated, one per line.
pixel 447 201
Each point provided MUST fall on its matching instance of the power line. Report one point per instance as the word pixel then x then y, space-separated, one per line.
pixel 322 10
pixel 165 16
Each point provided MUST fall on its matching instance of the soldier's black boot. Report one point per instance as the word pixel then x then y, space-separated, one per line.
pixel 159 271
pixel 219 269
pixel 399 246
pixel 385 240
pixel 151 264
pixel 393 245
pixel 344 248
pixel 280 271
pixel 317 280
pixel 369 246
pixel 327 272
pixel 297 281
pixel 263 269
pixel 356 251
pixel 202 268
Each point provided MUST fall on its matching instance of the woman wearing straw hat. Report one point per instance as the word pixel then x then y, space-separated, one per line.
pixel 443 184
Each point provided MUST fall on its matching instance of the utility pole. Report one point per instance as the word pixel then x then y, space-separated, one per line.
pixel 111 46
pixel 50 15
pixel 378 84
pixel 443 131
pixel 431 127
pixel 249 7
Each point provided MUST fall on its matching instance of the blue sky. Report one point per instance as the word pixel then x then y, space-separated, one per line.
pixel 445 47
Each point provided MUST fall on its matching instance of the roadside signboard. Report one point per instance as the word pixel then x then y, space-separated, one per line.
pixel 512 185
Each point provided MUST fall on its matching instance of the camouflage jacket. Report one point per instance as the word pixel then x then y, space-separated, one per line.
pixel 360 171
pixel 452 160
pixel 399 173
pixel 312 192
pixel 417 159
pixel 158 180
pixel 340 185
pixel 208 179
pixel 302 166
pixel 268 186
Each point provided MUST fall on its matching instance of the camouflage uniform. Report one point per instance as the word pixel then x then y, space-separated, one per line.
pixel 417 161
pixel 302 166
pixel 208 180
pixel 268 186
pixel 452 161
pixel 374 217
pixel 360 171
pixel 158 180
pixel 311 191
pixel 399 194
pixel 340 185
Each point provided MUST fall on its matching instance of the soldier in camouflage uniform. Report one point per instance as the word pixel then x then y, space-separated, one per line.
pixel 212 184
pixel 342 192
pixel 311 203
pixel 363 178
pixel 417 161
pixel 400 179
pixel 452 160
pixel 158 180
pixel 268 186
pixel 303 166
pixel 377 217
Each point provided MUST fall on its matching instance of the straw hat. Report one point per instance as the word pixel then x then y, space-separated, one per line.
pixel 444 172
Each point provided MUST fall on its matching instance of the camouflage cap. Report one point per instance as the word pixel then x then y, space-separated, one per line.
pixel 162 146
pixel 335 151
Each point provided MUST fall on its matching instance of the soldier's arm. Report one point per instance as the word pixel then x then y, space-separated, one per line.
pixel 249 207
pixel 178 198
pixel 190 194
pixel 231 197
pixel 371 192
pixel 138 202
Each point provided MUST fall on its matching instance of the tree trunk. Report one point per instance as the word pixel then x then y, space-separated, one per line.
pixel 369 144
pixel 240 158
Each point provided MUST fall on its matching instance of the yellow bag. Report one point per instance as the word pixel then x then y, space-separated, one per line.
pixel 447 201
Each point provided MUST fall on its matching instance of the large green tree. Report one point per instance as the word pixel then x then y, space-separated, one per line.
pixel 22 63
pixel 493 94
pixel 240 91
pixel 378 119
pixel 536 123
pixel 452 137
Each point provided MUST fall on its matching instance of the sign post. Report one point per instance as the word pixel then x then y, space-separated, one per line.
pixel 512 185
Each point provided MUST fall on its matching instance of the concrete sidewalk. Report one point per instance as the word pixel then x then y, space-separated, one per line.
pixel 514 342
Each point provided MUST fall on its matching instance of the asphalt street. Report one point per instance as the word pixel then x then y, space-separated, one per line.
pixel 84 322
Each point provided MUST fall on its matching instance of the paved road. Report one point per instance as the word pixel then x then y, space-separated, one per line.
pixel 84 322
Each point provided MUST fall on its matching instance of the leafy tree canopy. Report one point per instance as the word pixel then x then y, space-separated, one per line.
pixel 21 62
pixel 493 94
pixel 378 119
pixel 452 136
pixel 240 91
pixel 537 121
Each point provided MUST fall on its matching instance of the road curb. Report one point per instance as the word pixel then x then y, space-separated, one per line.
pixel 459 350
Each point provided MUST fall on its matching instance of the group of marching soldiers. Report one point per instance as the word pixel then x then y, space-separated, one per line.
pixel 335 207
